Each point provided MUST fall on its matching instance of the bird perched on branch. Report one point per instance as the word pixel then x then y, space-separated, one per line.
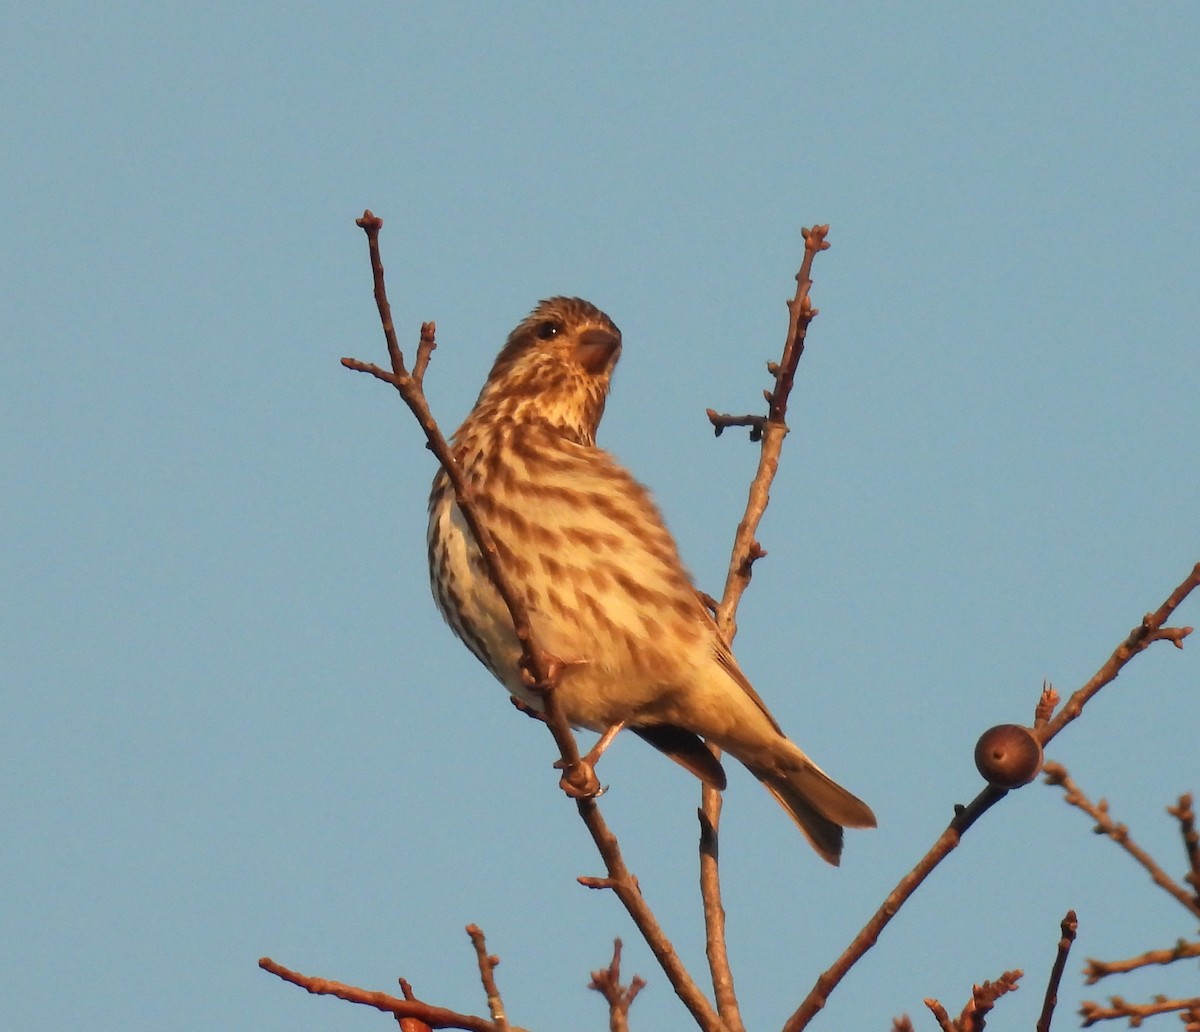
pixel 586 550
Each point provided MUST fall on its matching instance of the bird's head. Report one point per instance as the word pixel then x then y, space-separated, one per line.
pixel 556 368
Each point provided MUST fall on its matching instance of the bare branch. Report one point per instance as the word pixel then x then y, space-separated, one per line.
pixel 709 815
pixel 424 350
pixel 588 882
pixel 607 982
pixel 1056 774
pixel 487 975
pixel 537 665
pixel 434 1017
pixel 1190 1016
pixel 964 817
pixel 983 999
pixel 1134 1012
pixel 1182 811
pixel 1139 639
pixel 540 667
pixel 974 1015
pixel 939 1012
pixel 721 422
pixel 1069 926
pixel 410 1024
pixel 771 433
pixel 802 313
pixel 371 225
pixel 1094 970
pixel 624 884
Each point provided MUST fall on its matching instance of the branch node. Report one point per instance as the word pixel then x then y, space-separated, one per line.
pixel 607 982
pixel 588 882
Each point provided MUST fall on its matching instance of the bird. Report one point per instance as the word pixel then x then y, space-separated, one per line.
pixel 588 553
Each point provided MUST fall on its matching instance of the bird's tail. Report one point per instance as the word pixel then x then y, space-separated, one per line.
pixel 819 806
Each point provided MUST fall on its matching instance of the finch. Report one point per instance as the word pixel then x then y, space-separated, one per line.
pixel 587 551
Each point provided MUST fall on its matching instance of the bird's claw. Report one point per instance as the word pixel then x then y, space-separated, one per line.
pixel 579 780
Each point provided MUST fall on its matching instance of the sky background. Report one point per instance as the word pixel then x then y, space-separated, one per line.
pixel 233 723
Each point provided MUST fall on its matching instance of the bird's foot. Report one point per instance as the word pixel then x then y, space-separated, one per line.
pixel 579 780
pixel 552 667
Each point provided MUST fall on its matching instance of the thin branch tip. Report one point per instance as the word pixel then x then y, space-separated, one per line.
pixel 814 238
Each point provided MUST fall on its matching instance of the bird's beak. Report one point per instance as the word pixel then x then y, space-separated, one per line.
pixel 596 350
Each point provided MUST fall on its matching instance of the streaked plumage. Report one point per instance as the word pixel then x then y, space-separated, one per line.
pixel 607 592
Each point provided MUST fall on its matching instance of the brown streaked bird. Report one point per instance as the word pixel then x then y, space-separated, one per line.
pixel 587 550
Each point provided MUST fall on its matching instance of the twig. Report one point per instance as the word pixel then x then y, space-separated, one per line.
pixel 1182 811
pixel 1139 639
pixel 1056 774
pixel 538 669
pixel 410 388
pixel 1094 970
pixel 802 313
pixel 625 886
pixel 939 1013
pixel 746 550
pixel 487 975
pixel 964 817
pixel 607 982
pixel 983 999
pixel 410 1024
pixel 621 882
pixel 1190 1016
pixel 425 348
pixel 722 421
pixel 974 1015
pixel 709 815
pixel 435 1017
pixel 1069 926
pixel 770 431
pixel 1135 1012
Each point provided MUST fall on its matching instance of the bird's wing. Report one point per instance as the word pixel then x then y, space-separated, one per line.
pixel 686 749
pixel 725 658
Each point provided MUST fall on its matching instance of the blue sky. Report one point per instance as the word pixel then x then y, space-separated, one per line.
pixel 234 722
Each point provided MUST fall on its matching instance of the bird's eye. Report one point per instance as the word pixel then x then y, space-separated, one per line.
pixel 548 329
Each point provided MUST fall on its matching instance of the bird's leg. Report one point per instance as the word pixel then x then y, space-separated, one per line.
pixel 579 779
pixel 603 743
pixel 580 782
